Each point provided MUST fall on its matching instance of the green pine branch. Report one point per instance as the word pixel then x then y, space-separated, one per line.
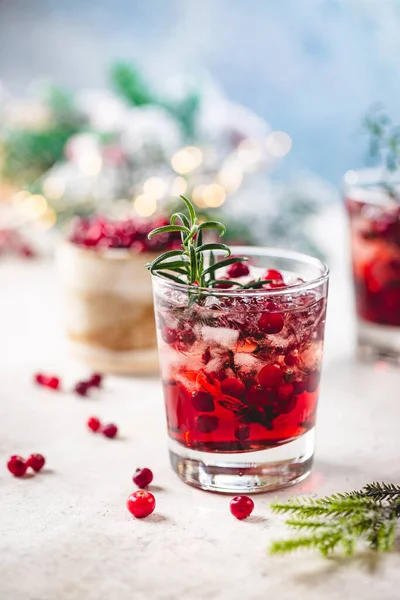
pixel 342 520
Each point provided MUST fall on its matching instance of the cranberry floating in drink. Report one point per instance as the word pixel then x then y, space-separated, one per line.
pixel 240 365
pixel 373 206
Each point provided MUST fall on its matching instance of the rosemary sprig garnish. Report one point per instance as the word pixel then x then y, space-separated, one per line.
pixel 341 520
pixel 188 265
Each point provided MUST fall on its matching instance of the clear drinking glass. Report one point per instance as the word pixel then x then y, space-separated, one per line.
pixel 241 372
pixel 373 204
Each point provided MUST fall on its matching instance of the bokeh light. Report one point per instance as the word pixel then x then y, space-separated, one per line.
pixel 187 159
pixel 145 205
pixel 278 143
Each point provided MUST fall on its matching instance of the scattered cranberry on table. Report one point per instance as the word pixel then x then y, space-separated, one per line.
pixel 241 507
pixel 82 388
pixel 141 504
pixel 17 465
pixel 94 424
pixel 143 477
pixel 95 380
pixel 36 462
pixel 48 381
pixel 110 430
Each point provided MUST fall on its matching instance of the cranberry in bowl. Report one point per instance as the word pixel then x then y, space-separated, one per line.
pixel 240 364
pixel 107 292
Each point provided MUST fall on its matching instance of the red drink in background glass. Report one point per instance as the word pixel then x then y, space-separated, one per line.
pixel 374 215
pixel 241 373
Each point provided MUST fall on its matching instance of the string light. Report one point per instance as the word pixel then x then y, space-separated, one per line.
pixel 155 187
pixel 53 187
pixel 278 143
pixel 90 164
pixel 20 197
pixel 48 219
pixel 249 154
pixel 145 205
pixel 198 196
pixel 351 177
pixel 179 186
pixel 187 159
pixel 35 206
pixel 214 195
pixel 231 176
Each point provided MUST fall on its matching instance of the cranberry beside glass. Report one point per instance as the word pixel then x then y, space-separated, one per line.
pixel 241 372
pixel 373 206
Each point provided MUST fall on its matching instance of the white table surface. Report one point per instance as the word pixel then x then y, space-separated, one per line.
pixel 66 534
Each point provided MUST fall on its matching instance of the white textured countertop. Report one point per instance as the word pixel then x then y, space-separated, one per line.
pixel 65 534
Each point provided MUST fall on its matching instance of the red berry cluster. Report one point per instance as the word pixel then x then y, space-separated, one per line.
pixel 141 503
pixel 101 233
pixel 11 242
pixel 94 381
pixel 17 465
pixel 81 388
pixel 110 430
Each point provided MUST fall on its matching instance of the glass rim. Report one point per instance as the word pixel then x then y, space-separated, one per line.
pixel 258 251
pixel 370 185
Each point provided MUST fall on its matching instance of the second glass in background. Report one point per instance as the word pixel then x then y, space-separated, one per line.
pixel 372 199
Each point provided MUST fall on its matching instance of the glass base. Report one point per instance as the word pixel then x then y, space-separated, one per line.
pixel 378 342
pixel 245 472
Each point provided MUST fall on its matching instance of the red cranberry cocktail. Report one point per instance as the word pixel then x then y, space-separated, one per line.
pixel 373 206
pixel 240 365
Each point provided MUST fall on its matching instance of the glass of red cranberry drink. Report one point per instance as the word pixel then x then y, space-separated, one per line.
pixel 240 368
pixel 373 207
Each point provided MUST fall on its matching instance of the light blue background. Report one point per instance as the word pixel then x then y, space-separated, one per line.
pixel 310 67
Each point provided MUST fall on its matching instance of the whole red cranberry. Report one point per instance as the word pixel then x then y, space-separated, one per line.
pixel 239 269
pixel 242 432
pixel 17 465
pixel 206 423
pixel 36 462
pixel 232 386
pixel 82 388
pixel 95 380
pixel 292 359
pixel 270 376
pixel 169 335
pixel 241 507
pixel 286 406
pixel 203 401
pixel 110 430
pixel 277 284
pixel 48 381
pixel 141 504
pixel 257 396
pixel 298 386
pixel 312 381
pixel 274 275
pixel 271 322
pixel 142 477
pixel 94 424
pixel 285 391
pixel 223 286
